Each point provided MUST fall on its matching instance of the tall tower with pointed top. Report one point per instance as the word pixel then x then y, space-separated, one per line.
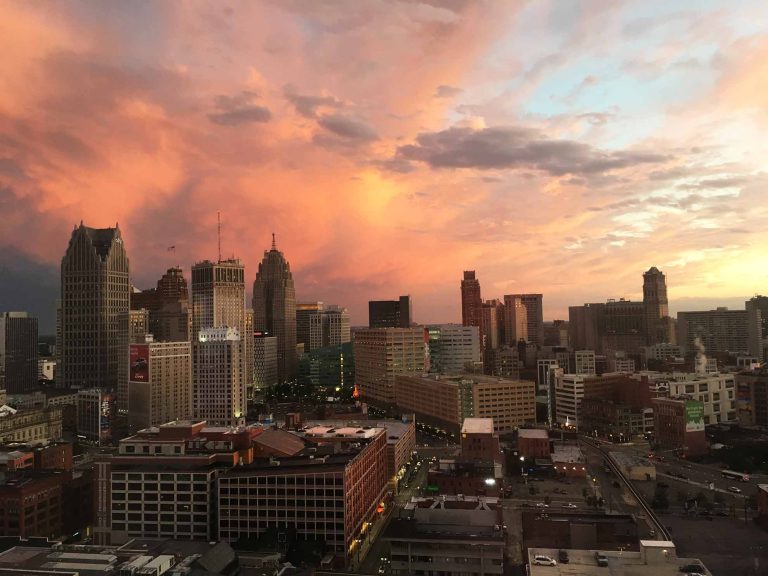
pixel 656 305
pixel 274 308
pixel 95 299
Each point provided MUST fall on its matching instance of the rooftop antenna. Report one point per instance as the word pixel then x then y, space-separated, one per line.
pixel 218 218
pixel 274 244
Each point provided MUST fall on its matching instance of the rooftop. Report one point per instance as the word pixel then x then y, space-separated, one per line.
pixel 570 453
pixel 477 426
pixel 533 433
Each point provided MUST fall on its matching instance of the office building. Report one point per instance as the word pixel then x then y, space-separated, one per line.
pixel 18 352
pixel 614 325
pixel 716 392
pixel 320 325
pixel 656 306
pixel 752 397
pixel 662 351
pixel 757 326
pixel 678 424
pixel 454 349
pixel 274 309
pixel 249 358
pixel 264 365
pixel 504 361
pixel 168 306
pixel 95 296
pixel 330 369
pixel 390 313
pixel 159 384
pixel 218 296
pixel 31 426
pixel 571 389
pixel 218 389
pixel 46 369
pixel 556 333
pixel 332 494
pixel 31 504
pixel 471 301
pixel 585 362
pixel 96 415
pixel 450 535
pixel 534 314
pixel 480 441
pixel 515 319
pixel 138 326
pixel 380 355
pixel 445 401
pixel 719 330
pixel 533 443
pixel 491 323
pixel 162 482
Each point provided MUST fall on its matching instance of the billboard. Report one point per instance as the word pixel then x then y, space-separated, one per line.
pixel 139 363
pixel 694 416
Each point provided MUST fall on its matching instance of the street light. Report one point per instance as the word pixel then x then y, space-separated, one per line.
pixel 522 469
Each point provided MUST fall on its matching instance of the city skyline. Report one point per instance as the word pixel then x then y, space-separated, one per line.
pixel 554 150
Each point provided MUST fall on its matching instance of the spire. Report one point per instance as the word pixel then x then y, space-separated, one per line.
pixel 274 243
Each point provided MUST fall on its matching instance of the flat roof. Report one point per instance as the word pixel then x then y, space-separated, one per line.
pixel 570 453
pixel 477 426
pixel 626 563
pixel 533 433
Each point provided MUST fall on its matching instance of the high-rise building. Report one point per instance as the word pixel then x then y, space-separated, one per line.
pixel 95 298
pixel 96 414
pixel 168 306
pixel 614 325
pixel 757 318
pixel 336 328
pixel 656 306
pixel 138 326
pixel 454 349
pixel 534 315
pixel 390 313
pixel 249 361
pixel 471 301
pixel 719 330
pixel 309 325
pixel 274 309
pixel 492 318
pixel 264 365
pixel 515 319
pixel 159 383
pixel 381 354
pixel 218 296
pixel 218 387
pixel 18 352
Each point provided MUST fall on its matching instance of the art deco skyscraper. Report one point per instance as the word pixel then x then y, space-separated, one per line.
pixel 656 306
pixel 274 309
pixel 95 297
pixel 471 302
pixel 218 296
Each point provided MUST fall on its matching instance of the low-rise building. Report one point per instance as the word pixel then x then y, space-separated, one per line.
pixel 465 477
pixel 35 426
pixel 568 460
pixel 533 443
pixel 479 441
pixel 30 504
pixel 449 536
pixel 446 401
pixel 678 424
pixel 579 530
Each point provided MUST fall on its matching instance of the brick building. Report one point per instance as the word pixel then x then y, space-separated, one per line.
pixel 30 504
pixel 533 443
pixel 479 442
pixel 679 424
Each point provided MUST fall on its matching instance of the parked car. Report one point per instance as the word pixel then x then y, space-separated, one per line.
pixel 734 489
pixel 544 561
pixel 601 559
pixel 562 557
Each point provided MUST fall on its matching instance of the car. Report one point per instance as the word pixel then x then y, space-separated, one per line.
pixel 544 561
pixel 562 557
pixel 601 559
pixel 541 505
pixel 721 513
pixel 570 505
pixel 734 489
pixel 692 569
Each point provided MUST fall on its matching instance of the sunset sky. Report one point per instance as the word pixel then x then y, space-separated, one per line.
pixel 557 146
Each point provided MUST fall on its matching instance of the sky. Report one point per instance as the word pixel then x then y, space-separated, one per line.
pixel 554 146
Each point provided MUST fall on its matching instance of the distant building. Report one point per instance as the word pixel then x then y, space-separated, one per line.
pixel 274 309
pixel 503 361
pixel 454 349
pixel 656 307
pixel 752 397
pixel 46 369
pixel 264 365
pixel 159 384
pixel 138 326
pixel 585 362
pixel 757 326
pixel 31 505
pixel 716 392
pixel 492 324
pixel 330 369
pixel 679 425
pixel 383 353
pixel 719 330
pixel 168 306
pixel 471 301
pixel 556 333
pixel 445 401
pixel 515 319
pixel 321 325
pixel 571 389
pixel 218 390
pixel 390 313
pixel 93 315
pixel 479 441
pixel 533 443
pixel 18 352
pixel 33 426
pixel 614 325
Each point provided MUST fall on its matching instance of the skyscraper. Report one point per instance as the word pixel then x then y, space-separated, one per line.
pixel 390 313
pixel 471 302
pixel 95 297
pixel 757 315
pixel 319 325
pixel 515 319
pixel 218 394
pixel 18 352
pixel 218 296
pixel 656 306
pixel 168 306
pixel 274 309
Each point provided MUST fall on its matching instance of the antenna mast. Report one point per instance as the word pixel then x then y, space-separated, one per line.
pixel 218 218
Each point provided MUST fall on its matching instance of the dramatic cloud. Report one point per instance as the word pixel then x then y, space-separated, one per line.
pixel 347 127
pixel 520 148
pixel 240 109
pixel 444 91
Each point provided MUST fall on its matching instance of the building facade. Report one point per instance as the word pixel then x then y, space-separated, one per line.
pixel 218 389
pixel 678 423
pixel 93 315
pixel 719 330
pixel 264 365
pixel 160 384
pixel 471 301
pixel 656 306
pixel 18 352
pixel 274 309
pixel 515 319
pixel 454 349
pixel 35 426
pixel 390 313
pixel 381 354
pixel 96 412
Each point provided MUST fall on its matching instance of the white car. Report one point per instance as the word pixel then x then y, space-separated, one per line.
pixel 570 505
pixel 541 505
pixel 734 489
pixel 544 561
